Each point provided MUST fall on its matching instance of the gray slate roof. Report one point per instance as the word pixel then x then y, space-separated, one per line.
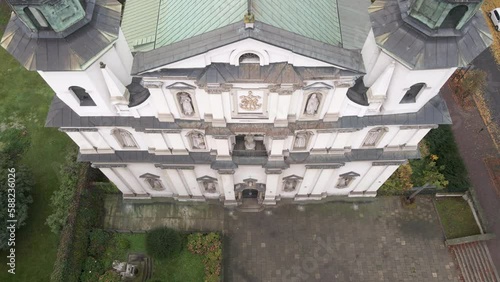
pixel 348 59
pixel 72 52
pixel 434 112
pixel 405 39
pixel 206 158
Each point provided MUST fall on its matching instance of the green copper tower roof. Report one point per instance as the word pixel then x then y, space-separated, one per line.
pixel 151 24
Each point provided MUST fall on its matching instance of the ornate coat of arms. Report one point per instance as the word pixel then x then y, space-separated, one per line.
pixel 250 102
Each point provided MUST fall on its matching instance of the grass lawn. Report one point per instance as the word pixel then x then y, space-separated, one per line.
pixel 24 99
pixel 456 217
pixel 185 267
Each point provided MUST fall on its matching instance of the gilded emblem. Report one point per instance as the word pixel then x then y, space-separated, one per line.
pixel 250 102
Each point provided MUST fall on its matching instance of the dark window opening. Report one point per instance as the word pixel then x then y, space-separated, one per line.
pixel 411 95
pixel 454 16
pixel 249 58
pixel 37 18
pixel 83 96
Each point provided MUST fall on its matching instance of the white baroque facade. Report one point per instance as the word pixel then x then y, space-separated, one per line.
pixel 262 113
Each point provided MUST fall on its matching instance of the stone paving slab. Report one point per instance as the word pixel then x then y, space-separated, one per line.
pixel 142 217
pixel 378 241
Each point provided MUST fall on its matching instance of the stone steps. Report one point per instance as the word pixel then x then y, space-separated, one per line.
pixel 475 262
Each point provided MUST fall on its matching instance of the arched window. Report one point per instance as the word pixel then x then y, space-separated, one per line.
pixel 374 136
pixel 36 17
pixel 249 58
pixel 412 93
pixel 82 95
pixel 124 138
pixel 454 16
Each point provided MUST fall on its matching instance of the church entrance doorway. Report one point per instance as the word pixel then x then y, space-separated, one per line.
pixel 249 194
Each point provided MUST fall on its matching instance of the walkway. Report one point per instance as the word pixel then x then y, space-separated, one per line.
pixel 379 241
pixel 475 145
pixel 142 217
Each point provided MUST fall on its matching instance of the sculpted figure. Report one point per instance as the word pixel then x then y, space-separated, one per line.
pixel 300 140
pixel 209 186
pixel 249 142
pixel 312 105
pixel 187 106
pixel 198 141
pixel 290 185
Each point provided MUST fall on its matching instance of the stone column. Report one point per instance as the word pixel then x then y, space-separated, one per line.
pixel 421 132
pixel 340 142
pixel 321 187
pixel 95 137
pixel 222 145
pixel 404 134
pixel 216 115
pixel 284 100
pixel 159 100
pixel 227 178
pixel 189 178
pixel 156 143
pixel 339 94
pixel 132 181
pixel 323 142
pixel 367 179
pixel 116 179
pixel 82 142
pixel 308 183
pixel 172 173
pixel 277 147
pixel 272 187
pixel 175 142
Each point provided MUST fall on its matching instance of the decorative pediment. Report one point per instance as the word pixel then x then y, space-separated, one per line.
pixel 180 86
pixel 318 86
pixel 149 175
pixel 349 174
pixel 206 178
pixel 293 177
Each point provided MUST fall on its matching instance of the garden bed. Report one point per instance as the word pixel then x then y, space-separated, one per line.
pixel 456 217
pixel 184 266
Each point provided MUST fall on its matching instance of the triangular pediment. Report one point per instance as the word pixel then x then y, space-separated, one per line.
pixel 180 85
pixel 350 174
pixel 318 86
pixel 149 175
pixel 293 177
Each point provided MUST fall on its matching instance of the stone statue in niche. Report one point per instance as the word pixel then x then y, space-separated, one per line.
pixel 155 184
pixel 312 105
pixel 209 186
pixel 249 142
pixel 300 140
pixel 198 141
pixel 290 185
pixel 186 104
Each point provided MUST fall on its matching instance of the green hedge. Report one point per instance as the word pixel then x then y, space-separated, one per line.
pixel 442 143
pixel 163 243
pixel 85 212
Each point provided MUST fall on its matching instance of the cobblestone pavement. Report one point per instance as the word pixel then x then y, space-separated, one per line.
pixel 378 241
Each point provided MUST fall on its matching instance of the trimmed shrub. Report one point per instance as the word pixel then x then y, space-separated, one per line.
pixel 442 143
pixel 163 243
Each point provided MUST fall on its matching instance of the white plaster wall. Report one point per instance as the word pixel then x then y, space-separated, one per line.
pixel 227 54
pixel 117 58
pixel 358 167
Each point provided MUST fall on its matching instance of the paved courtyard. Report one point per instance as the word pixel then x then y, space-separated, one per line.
pixel 379 241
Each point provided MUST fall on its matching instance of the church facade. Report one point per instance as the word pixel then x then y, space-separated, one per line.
pixel 262 100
